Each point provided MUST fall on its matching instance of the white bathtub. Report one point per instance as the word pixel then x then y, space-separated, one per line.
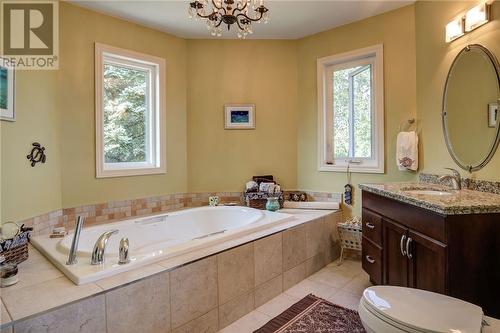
pixel 155 238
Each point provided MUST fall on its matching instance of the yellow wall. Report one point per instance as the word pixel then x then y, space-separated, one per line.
pixel 57 108
pixel 79 30
pixel 396 31
pixel 434 58
pixel 28 191
pixel 263 73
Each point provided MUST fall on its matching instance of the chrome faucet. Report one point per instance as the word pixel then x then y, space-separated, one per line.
pixel 123 256
pixel 456 179
pixel 74 244
pixel 100 247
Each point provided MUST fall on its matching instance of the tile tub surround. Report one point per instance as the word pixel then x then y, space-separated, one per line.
pixel 205 290
pixel 118 210
pixel 467 183
pixel 459 202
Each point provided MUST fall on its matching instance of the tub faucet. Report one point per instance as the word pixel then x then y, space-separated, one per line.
pixel 100 247
pixel 74 244
pixel 456 179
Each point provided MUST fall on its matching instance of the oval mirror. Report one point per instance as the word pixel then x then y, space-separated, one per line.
pixel 470 107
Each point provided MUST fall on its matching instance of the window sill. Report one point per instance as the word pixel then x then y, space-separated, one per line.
pixel 130 172
pixel 352 168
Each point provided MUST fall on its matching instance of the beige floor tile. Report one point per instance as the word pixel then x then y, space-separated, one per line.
pixel 277 305
pixel 345 299
pixel 337 278
pixel 247 323
pixel 307 287
pixel 358 285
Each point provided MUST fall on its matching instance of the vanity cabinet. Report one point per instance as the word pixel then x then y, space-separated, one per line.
pixel 457 255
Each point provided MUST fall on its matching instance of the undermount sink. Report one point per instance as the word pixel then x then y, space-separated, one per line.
pixel 429 192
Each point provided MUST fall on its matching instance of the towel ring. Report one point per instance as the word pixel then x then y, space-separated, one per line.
pixel 410 122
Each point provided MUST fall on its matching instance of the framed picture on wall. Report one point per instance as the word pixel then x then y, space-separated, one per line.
pixel 7 91
pixel 492 114
pixel 239 116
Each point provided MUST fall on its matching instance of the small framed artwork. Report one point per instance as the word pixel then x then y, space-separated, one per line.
pixel 7 93
pixel 492 114
pixel 239 116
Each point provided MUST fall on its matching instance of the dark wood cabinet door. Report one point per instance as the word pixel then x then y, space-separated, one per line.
pixel 395 261
pixel 426 263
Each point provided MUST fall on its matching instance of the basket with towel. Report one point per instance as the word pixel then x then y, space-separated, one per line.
pixel 259 189
pixel 15 250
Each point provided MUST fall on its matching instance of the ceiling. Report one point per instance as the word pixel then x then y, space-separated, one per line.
pixel 288 19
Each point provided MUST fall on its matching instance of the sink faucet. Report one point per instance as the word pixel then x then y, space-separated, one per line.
pixel 74 243
pixel 456 179
pixel 100 247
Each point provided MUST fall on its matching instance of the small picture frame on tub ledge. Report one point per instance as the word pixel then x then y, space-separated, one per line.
pixel 239 116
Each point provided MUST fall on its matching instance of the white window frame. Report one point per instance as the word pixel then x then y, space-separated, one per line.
pixel 374 56
pixel 156 163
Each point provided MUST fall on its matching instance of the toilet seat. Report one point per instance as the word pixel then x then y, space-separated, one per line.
pixel 414 310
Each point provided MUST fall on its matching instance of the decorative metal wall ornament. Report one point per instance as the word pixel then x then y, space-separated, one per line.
pixel 229 12
pixel 37 154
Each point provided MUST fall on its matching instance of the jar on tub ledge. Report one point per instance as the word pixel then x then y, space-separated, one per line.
pixel 272 204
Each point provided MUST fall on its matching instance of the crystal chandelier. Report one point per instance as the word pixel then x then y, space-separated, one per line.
pixel 229 12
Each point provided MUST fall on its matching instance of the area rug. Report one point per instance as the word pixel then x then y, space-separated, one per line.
pixel 314 315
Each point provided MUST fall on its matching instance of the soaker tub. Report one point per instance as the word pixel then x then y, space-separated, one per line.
pixel 155 238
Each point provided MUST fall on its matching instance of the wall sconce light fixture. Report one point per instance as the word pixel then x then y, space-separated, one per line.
pixel 455 29
pixel 472 19
pixel 477 16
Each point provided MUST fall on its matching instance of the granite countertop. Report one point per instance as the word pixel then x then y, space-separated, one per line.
pixel 458 202
pixel 43 287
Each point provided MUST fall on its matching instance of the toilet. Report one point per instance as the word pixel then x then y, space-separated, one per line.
pixel 390 309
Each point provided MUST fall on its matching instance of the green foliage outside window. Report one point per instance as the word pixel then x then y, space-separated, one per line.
pixel 361 124
pixel 125 114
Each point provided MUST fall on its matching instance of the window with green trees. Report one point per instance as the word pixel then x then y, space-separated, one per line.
pixel 129 108
pixel 351 111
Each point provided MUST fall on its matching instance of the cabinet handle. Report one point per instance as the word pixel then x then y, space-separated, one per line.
pixel 408 242
pixel 401 245
pixel 370 259
pixel 369 225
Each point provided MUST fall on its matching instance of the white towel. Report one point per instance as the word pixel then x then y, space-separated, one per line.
pixel 407 151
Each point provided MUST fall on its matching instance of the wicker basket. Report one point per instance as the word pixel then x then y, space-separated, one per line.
pixel 350 237
pixel 258 200
pixel 16 250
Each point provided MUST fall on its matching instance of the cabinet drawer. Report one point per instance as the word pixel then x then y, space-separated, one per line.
pixel 372 260
pixel 372 226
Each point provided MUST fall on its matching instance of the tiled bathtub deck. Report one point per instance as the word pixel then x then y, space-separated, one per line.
pixel 202 291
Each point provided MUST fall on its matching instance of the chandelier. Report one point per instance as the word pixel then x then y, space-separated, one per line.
pixel 229 12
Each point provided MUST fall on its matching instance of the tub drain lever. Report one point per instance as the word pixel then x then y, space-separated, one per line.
pixel 124 257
